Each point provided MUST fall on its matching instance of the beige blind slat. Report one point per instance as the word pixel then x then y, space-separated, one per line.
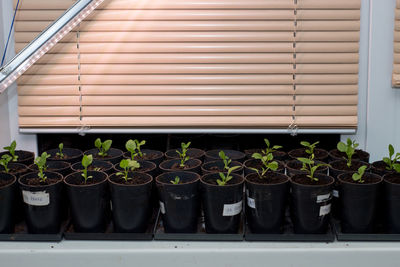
pixel 396 49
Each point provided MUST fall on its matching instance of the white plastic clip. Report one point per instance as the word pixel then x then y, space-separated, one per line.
pixel 82 130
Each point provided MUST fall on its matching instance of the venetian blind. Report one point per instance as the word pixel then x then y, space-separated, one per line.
pixel 194 63
pixel 396 63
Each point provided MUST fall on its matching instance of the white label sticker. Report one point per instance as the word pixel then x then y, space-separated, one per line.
pixel 251 202
pixel 322 198
pixel 335 193
pixel 324 210
pixel 162 207
pixel 40 198
pixel 232 209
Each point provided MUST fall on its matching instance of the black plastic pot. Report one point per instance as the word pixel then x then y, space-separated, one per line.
pixel 320 154
pixel 73 155
pixel 150 155
pixel 255 163
pixel 90 203
pixel 293 167
pixel 310 204
pixel 8 196
pixel 234 155
pixel 379 167
pixel 391 185
pixel 131 205
pixel 113 155
pixel 103 166
pixel 193 165
pixel 16 169
pixel 24 157
pixel 180 203
pixel 193 153
pixel 358 203
pixel 42 203
pixel 218 166
pixel 359 154
pixel 145 166
pixel 222 204
pixel 62 167
pixel 266 203
pixel 278 155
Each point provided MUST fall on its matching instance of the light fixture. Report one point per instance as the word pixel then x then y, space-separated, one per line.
pixel 45 41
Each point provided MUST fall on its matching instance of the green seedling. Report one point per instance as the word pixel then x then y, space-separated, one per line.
pixel 127 165
pixel 225 178
pixel 267 164
pixel 177 180
pixel 227 161
pixel 309 147
pixel 133 146
pixel 5 159
pixel 11 150
pixel 102 146
pixel 138 145
pixel 41 165
pixel 392 162
pixel 357 176
pixel 349 148
pixel 310 167
pixel 269 149
pixel 182 155
pixel 60 153
pixel 86 162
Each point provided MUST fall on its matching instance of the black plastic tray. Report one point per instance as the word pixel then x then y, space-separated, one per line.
pixel 21 234
pixel 201 234
pixel 378 236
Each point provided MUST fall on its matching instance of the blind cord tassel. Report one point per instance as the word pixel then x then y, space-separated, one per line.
pixel 293 128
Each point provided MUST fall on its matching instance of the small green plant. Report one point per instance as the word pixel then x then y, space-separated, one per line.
pixel 182 155
pixel 392 162
pixel 349 148
pixel 310 167
pixel 269 149
pixel 11 150
pixel 225 178
pixel 127 165
pixel 5 159
pixel 357 176
pixel 267 164
pixel 102 146
pixel 309 147
pixel 86 162
pixel 133 146
pixel 60 153
pixel 177 180
pixel 227 161
pixel 41 165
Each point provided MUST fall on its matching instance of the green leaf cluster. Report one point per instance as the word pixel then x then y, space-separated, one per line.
pixel 392 162
pixel 177 180
pixel 11 149
pixel 269 149
pixel 357 176
pixel 225 178
pixel 227 161
pixel 182 155
pixel 5 159
pixel 60 153
pixel 309 147
pixel 42 166
pixel 86 162
pixel 310 166
pixel 267 164
pixel 103 147
pixel 133 146
pixel 127 165
pixel 349 148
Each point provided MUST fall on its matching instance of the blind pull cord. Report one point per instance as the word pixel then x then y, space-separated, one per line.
pixel 83 128
pixel 293 127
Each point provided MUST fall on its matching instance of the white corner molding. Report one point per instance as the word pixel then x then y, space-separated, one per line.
pixel 45 41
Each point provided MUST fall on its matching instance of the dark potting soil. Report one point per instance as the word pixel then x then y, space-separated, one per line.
pixel 97 168
pixel 301 153
pixel 39 182
pixel 147 156
pixel 380 165
pixel 82 181
pixel 61 158
pixel 342 165
pixel 137 180
pixel 368 179
pixel 304 180
pixel 14 170
pixel 268 178
pixel 213 181
pixel 177 166
pixel 393 178
pixel 4 182
pixel 34 168
pixel 257 164
pixel 297 165
pixel 358 154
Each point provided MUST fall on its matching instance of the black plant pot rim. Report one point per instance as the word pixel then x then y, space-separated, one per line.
pixel 94 161
pixel 260 184
pixel 127 154
pixel 67 166
pixel 14 180
pixel 153 166
pixel 131 185
pixel 301 149
pixel 353 161
pixel 227 185
pixel 170 160
pixel 373 166
pixel 241 155
pixel 389 182
pixel 310 185
pixel 41 186
pixel 180 184
pixel 96 156
pixel 280 164
pixel 322 168
pixel 85 185
pixel 237 163
pixel 200 151
pixel 360 184
pixel 331 154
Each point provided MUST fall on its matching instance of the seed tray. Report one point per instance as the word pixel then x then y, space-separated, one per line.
pixel 379 235
pixel 21 234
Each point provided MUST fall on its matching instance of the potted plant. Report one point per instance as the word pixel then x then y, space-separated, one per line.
pixel 179 201
pixel 104 152
pixel 222 196
pixel 386 165
pixel 18 156
pixel 391 185
pixel 358 200
pixel 267 193
pixel 311 199
pixel 61 167
pixel 42 196
pixel 260 161
pixel 96 165
pixel 340 153
pixel 221 165
pixel 70 155
pixel 193 153
pixel 88 198
pixel 184 163
pixel 130 197
pixel 278 154
pixel 144 166
pixel 319 153
pixel 235 155
pixel 7 199
pixel 136 153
